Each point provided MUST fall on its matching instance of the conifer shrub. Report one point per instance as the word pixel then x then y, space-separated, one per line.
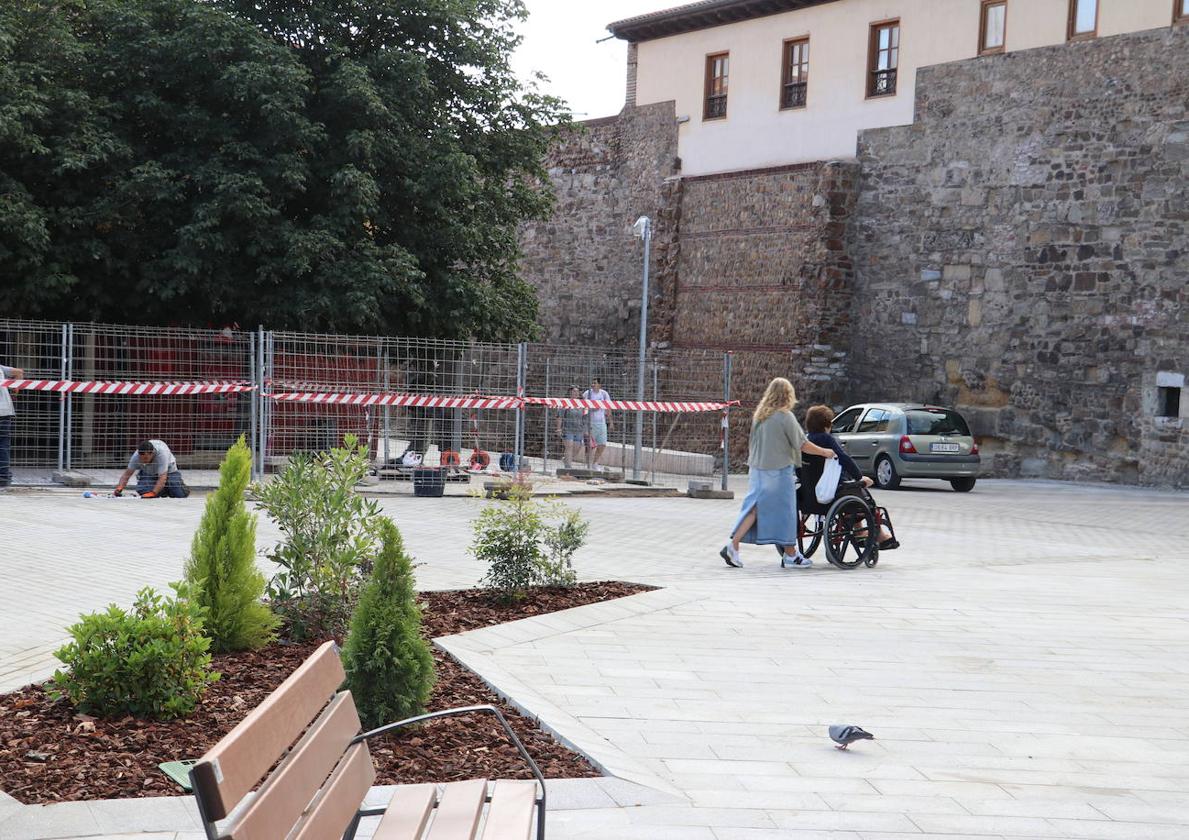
pixel 152 661
pixel 389 666
pixel 221 571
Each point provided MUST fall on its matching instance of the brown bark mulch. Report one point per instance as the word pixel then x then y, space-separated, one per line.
pixel 50 753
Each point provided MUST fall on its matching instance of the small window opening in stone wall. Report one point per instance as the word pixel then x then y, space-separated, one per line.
pixel 1168 402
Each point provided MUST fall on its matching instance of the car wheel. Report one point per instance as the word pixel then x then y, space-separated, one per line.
pixel 886 477
pixel 962 485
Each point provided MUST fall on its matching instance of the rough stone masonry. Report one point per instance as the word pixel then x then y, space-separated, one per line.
pixel 1020 251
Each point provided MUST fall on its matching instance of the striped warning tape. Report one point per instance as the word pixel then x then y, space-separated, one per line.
pixel 142 389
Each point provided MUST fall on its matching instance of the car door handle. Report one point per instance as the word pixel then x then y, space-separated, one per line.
pixel 875 443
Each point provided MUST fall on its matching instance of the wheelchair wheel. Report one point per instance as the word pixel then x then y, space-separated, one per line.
pixel 809 532
pixel 851 532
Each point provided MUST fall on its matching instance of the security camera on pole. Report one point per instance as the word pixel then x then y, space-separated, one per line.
pixel 643 230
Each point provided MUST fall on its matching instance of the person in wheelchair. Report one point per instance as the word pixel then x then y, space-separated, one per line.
pixel 819 421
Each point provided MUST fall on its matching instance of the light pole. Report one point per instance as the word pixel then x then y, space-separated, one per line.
pixel 643 230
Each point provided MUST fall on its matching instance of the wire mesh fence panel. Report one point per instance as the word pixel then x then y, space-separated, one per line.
pixel 674 446
pixel 197 427
pixel 396 395
pixel 688 445
pixel 38 348
pixel 576 372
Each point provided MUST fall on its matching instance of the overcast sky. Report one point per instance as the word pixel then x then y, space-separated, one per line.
pixel 559 41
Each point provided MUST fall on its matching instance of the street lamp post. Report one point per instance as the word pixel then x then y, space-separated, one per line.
pixel 643 230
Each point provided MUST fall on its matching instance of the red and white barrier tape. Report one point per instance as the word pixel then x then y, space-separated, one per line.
pixel 421 400
pixel 631 405
pixel 140 389
pixel 431 401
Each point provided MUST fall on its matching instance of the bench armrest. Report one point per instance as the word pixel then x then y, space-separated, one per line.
pixel 465 710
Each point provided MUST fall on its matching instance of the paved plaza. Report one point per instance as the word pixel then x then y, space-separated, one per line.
pixel 1023 662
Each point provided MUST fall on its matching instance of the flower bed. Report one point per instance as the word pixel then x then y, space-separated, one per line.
pixel 48 753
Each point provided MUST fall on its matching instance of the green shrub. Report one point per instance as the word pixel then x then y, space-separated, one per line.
pixel 389 666
pixel 221 571
pixel 526 542
pixel 329 539
pixel 150 662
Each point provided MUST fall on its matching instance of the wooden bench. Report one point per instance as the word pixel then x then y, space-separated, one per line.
pixel 316 791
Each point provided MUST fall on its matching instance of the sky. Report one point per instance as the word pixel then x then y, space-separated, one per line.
pixel 560 41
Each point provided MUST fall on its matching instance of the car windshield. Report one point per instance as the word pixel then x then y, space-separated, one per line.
pixel 936 421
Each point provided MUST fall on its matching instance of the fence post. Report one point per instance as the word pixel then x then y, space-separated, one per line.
pixel 518 436
pixel 726 419
pixel 253 395
pixel 655 398
pixel 69 396
pixel 545 453
pixel 62 407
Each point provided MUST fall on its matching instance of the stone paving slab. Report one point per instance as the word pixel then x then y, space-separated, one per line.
pixel 1022 661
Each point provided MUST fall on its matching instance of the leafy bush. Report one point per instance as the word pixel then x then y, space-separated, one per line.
pixel 330 540
pixel 221 571
pixel 151 662
pixel 389 667
pixel 561 541
pixel 526 542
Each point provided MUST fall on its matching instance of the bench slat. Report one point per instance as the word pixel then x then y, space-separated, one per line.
pixel 510 815
pixel 339 800
pixel 289 789
pixel 459 810
pixel 233 766
pixel 407 813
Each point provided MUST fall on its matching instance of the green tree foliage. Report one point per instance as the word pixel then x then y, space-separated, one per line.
pixel 221 571
pixel 322 165
pixel 390 669
pixel 151 661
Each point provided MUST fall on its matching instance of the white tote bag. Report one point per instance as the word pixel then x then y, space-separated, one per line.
pixel 827 485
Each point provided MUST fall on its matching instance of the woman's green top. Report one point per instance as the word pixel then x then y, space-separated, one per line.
pixel 776 443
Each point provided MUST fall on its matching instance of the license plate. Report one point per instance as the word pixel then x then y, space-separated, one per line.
pixel 945 447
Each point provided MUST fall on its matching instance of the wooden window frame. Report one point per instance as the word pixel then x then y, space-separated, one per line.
pixel 785 50
pixel 711 58
pixel 982 28
pixel 1070 34
pixel 1179 12
pixel 873 52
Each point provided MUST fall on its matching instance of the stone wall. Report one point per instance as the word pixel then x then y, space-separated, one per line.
pixel 584 261
pixel 1021 251
pixel 762 270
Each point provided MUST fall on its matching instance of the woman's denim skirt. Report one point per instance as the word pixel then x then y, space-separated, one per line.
pixel 773 494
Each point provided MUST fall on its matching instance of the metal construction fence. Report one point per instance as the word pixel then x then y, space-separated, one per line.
pixel 90 392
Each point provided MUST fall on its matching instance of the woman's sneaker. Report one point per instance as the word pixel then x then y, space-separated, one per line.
pixel 797 561
pixel 731 556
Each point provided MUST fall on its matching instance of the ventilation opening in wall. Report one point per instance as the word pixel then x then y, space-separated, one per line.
pixel 1168 402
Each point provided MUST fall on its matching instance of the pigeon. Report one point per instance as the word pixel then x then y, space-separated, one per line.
pixel 844 736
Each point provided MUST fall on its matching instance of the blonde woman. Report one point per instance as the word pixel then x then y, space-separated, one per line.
pixel 769 512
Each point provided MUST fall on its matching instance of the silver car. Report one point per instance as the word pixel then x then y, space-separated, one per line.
pixel 891 441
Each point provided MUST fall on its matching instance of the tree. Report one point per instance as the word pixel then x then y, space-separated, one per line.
pixel 322 165
pixel 221 571
pixel 389 666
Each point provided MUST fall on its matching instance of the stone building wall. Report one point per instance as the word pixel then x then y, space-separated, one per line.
pixel 1022 251
pixel 584 261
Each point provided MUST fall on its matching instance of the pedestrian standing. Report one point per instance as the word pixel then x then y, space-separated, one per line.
pixel 769 512
pixel 7 420
pixel 599 420
pixel 573 426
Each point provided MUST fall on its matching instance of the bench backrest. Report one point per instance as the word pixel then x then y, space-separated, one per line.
pixel 321 780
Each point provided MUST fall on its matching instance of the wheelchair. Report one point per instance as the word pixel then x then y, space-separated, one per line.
pixel 849 525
